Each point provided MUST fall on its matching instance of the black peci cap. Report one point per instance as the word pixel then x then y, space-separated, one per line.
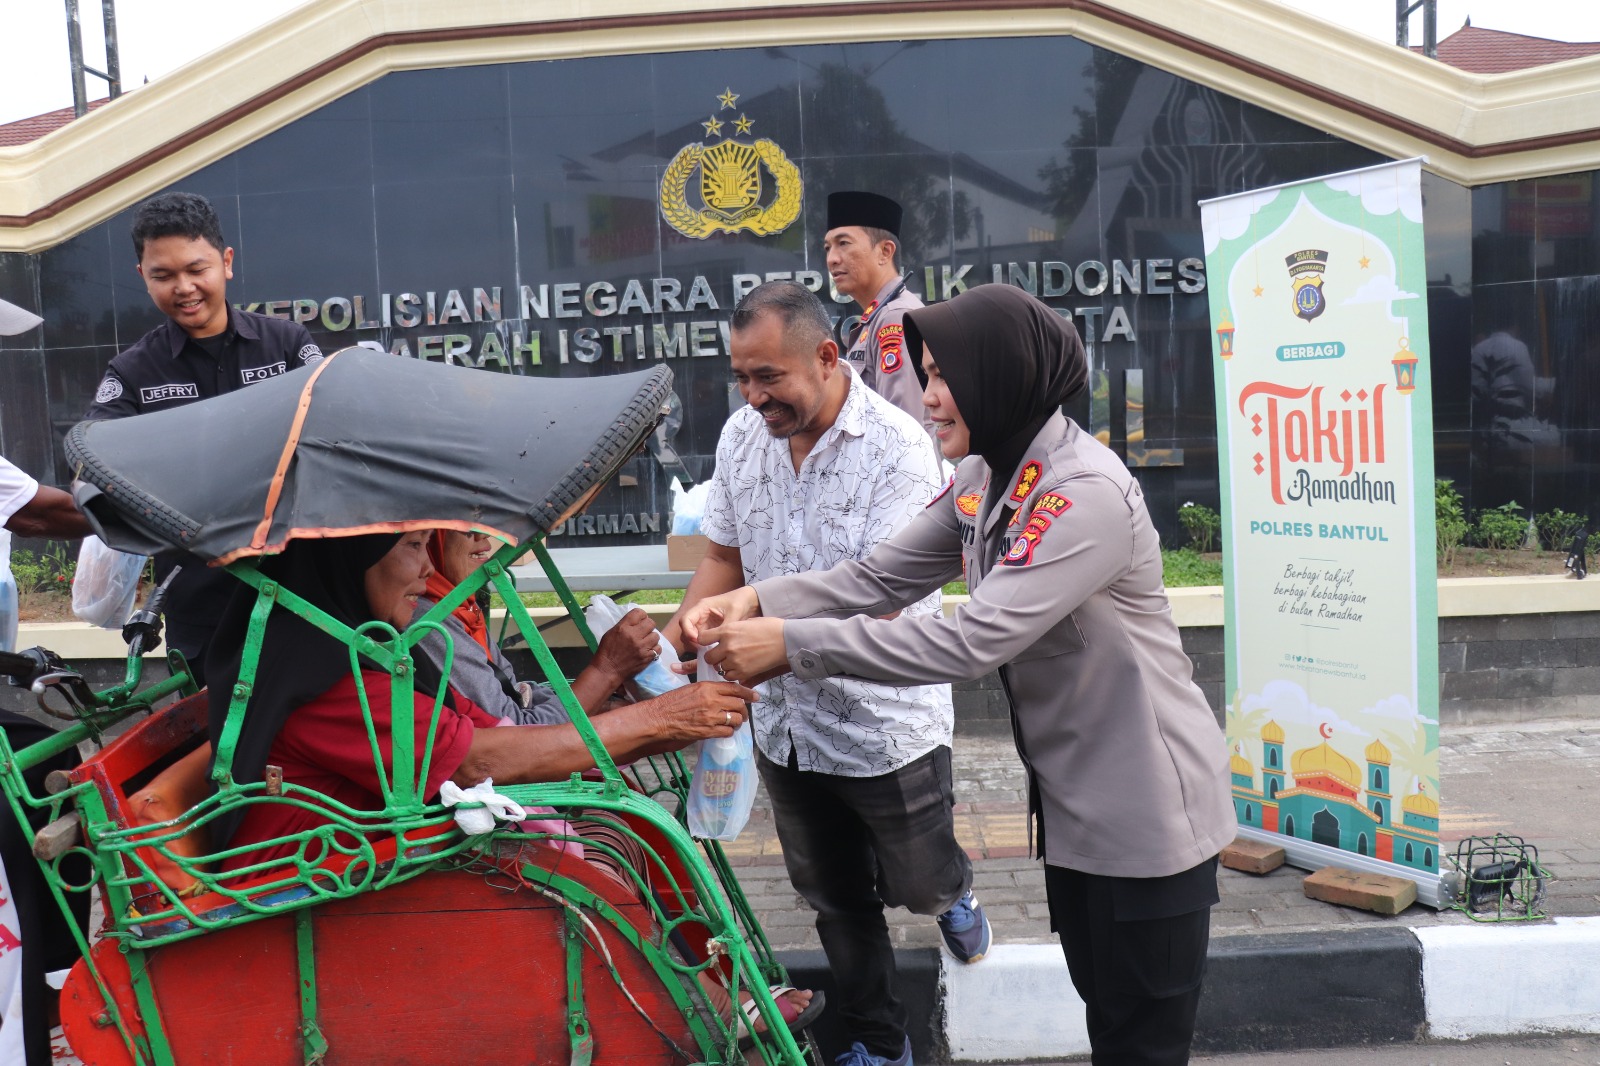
pixel 866 209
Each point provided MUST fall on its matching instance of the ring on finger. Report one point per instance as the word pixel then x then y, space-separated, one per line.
pixel 727 717
pixel 657 654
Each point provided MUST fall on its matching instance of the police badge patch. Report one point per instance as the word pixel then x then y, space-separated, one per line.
pixel 891 342
pixel 310 355
pixel 110 388
pixel 1021 553
pixel 1305 272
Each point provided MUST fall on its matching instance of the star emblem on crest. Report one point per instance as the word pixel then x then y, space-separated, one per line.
pixel 744 124
pixel 713 127
pixel 728 97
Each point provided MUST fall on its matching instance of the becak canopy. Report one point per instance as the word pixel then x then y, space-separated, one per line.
pixel 363 442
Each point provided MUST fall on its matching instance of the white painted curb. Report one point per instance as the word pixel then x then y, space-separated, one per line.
pixel 1017 1003
pixel 1493 980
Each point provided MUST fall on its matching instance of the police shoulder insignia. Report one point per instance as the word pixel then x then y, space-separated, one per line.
pixel 967 503
pixel 1021 553
pixel 1025 482
pixel 110 388
pixel 1052 503
pixel 891 340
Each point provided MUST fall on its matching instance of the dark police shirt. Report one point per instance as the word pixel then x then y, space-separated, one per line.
pixel 166 368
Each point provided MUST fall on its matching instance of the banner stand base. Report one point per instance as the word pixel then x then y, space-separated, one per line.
pixel 1432 889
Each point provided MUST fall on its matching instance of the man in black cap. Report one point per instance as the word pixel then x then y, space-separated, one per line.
pixel 862 248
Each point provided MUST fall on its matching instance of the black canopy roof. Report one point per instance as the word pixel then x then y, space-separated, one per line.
pixel 363 442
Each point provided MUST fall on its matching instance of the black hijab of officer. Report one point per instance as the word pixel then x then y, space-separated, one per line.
pixel 1010 363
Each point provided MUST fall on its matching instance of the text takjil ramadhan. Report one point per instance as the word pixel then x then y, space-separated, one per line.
pixel 564 301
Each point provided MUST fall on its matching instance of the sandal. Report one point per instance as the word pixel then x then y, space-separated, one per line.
pixel 797 1018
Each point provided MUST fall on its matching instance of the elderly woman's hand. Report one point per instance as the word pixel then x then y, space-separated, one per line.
pixel 700 711
pixel 628 647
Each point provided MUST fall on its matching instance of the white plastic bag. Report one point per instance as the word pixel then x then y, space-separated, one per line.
pixel 477 821
pixel 723 788
pixel 8 596
pixel 655 679
pixel 688 507
pixel 105 584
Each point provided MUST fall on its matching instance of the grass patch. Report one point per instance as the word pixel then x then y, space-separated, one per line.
pixel 1186 568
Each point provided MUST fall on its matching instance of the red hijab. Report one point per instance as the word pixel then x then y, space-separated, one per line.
pixel 468 614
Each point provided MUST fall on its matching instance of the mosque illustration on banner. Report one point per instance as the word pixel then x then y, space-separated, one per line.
pixel 1323 803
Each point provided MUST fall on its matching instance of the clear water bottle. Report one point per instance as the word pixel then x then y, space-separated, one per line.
pixel 8 596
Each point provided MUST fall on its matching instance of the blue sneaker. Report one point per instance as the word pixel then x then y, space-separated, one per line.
pixel 965 929
pixel 858 1055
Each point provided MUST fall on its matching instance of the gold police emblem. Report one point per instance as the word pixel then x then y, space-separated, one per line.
pixel 732 193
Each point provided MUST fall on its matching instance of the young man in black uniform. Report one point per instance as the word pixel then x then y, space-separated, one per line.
pixel 205 348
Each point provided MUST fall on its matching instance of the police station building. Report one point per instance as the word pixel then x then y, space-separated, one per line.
pixel 589 190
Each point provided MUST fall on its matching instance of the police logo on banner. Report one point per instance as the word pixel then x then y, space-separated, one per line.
pixel 110 388
pixel 730 190
pixel 1305 271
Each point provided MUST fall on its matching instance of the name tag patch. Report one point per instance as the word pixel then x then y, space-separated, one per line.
pixel 165 393
pixel 252 375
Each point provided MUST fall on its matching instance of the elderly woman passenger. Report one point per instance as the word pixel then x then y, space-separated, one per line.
pixel 481 672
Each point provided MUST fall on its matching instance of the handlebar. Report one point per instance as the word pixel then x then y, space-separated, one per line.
pixel 143 629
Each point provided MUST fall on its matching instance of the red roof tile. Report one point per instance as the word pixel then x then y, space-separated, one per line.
pixel 1485 51
pixel 26 130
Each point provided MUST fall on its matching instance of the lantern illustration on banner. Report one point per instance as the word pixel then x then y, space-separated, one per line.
pixel 1405 368
pixel 1225 335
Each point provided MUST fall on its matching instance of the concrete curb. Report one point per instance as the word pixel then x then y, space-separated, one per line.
pixel 1264 992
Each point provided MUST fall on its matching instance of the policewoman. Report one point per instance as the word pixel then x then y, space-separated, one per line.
pixel 1128 792
pixel 862 250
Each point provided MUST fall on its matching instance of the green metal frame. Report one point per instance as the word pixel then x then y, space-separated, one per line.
pixel 144 914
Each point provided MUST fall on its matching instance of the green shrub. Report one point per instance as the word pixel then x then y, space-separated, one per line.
pixel 50 571
pixel 1558 527
pixel 1203 525
pixel 1449 520
pixel 1501 528
pixel 1186 568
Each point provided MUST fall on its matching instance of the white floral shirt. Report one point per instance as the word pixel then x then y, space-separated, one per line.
pixel 868 476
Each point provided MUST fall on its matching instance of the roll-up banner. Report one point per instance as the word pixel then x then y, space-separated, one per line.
pixel 1325 435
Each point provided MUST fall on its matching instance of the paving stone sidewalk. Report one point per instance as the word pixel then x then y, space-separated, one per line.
pixel 1538 780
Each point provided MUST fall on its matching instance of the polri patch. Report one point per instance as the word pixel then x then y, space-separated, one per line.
pixel 110 388
pixel 891 342
pixel 1052 503
pixel 1021 553
pixel 1026 481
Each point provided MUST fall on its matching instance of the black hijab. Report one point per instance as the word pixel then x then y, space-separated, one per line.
pixel 1010 362
pixel 299 662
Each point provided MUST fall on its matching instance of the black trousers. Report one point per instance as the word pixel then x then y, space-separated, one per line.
pixel 1136 950
pixel 854 845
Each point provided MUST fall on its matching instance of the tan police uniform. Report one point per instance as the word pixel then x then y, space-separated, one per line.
pixel 879 354
pixel 1127 768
